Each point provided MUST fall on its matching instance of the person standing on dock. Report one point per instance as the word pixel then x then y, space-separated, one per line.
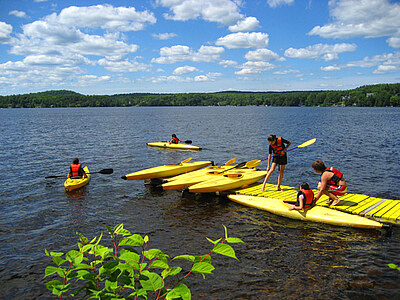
pixel 277 147
pixel 332 182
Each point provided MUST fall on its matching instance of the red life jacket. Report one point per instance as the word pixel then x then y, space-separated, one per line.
pixel 337 176
pixel 175 140
pixel 278 147
pixel 75 170
pixel 308 197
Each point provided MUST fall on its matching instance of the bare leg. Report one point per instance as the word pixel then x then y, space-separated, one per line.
pixel 280 177
pixel 271 170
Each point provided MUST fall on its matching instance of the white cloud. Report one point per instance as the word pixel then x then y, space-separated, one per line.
pixel 105 17
pixel 255 68
pixel 207 77
pixel 125 66
pixel 5 31
pixel 330 68
pixel 382 69
pixel 361 18
pixel 220 11
pixel 169 55
pixel 247 24
pixel 275 3
pixel 286 72
pixel 320 51
pixel 263 55
pixel 17 13
pixel 244 40
pixel 394 42
pixel 384 63
pixel 227 63
pixel 164 36
pixel 184 70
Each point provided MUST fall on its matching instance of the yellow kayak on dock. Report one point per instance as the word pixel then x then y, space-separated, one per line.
pixel 167 170
pixel 316 214
pixel 173 146
pixel 183 181
pixel 228 181
pixel 72 184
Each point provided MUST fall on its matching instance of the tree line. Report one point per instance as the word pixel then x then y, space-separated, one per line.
pixel 379 95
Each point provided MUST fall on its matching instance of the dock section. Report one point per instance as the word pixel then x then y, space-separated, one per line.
pixel 384 210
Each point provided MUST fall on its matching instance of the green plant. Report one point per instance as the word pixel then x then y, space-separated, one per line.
pixel 127 269
pixel 393 266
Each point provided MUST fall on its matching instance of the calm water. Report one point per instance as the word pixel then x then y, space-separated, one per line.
pixel 280 258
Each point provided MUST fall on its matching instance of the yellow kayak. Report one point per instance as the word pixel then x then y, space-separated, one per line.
pixel 173 146
pixel 316 214
pixel 167 170
pixel 73 184
pixel 228 181
pixel 183 181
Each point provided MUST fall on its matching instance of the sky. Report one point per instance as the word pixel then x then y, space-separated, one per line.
pixel 184 46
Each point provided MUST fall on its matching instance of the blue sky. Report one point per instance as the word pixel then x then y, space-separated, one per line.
pixel 179 46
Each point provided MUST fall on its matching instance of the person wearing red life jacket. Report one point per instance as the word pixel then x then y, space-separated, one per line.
pixel 174 140
pixel 76 170
pixel 332 182
pixel 277 152
pixel 305 198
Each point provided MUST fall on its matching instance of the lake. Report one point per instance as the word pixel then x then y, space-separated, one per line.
pixel 281 258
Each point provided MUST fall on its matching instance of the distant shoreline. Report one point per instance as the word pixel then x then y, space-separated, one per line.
pixel 379 95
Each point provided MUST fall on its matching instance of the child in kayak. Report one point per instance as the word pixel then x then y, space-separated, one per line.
pixel 305 198
pixel 174 140
pixel 277 147
pixel 76 170
pixel 332 182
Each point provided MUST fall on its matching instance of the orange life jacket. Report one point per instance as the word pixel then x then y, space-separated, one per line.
pixel 308 197
pixel 175 140
pixel 278 147
pixel 75 170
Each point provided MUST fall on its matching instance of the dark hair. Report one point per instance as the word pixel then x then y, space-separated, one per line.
pixel 272 137
pixel 174 135
pixel 319 165
pixel 304 186
pixel 75 161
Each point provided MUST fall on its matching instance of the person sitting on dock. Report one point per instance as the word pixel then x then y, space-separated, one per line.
pixel 332 182
pixel 76 170
pixel 174 139
pixel 305 198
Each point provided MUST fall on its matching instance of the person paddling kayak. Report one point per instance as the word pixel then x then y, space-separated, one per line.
pixel 174 139
pixel 277 147
pixel 76 170
pixel 332 182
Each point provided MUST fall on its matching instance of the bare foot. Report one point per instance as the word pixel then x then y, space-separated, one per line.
pixel 335 202
pixel 278 188
pixel 329 201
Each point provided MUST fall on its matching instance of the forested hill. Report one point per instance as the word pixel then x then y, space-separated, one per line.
pixel 369 95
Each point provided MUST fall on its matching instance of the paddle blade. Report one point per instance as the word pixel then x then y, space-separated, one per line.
pixel 186 160
pixel 106 171
pixel 308 143
pixel 231 161
pixel 188 142
pixel 253 163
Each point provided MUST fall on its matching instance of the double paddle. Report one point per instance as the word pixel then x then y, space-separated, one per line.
pixel 104 171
